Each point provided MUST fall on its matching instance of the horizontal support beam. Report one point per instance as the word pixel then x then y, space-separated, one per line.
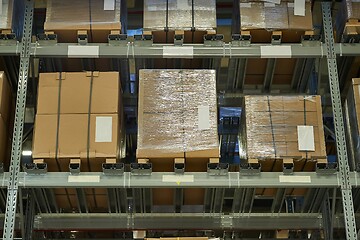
pixel 171 180
pixel 191 51
pixel 253 221
pixel 188 180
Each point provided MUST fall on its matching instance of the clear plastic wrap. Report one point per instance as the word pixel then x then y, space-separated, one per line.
pixel 6 14
pixel 82 15
pixel 271 16
pixel 177 113
pixel 271 124
pixel 178 15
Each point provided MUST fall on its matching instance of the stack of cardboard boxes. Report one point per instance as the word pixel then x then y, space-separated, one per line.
pixel 347 18
pixel 96 17
pixel 266 15
pixel 6 119
pixel 177 118
pixel 283 127
pixel 78 120
pixel 198 15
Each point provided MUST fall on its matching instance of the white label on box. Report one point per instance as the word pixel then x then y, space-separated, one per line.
pixel 299 7
pixel 109 5
pixel 273 1
pixel 103 129
pixel 245 5
pixel 290 5
pixel 275 51
pixel 294 179
pixel 179 52
pixel 183 5
pixel 139 234
pixel 83 51
pixel 269 5
pixel 83 178
pixel 178 178
pixel 306 141
pixel 203 117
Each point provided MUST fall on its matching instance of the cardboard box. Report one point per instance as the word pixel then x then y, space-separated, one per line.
pixel 6 101
pixel 274 127
pixel 177 15
pixel 75 89
pixel 177 117
pixel 67 17
pixel 6 14
pixel 352 123
pixel 300 22
pixel 72 138
pixel 271 16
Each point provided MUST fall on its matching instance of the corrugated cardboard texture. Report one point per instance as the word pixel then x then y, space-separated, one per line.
pixel 271 125
pixel 67 16
pixel 72 137
pixel 179 15
pixel 75 92
pixel 6 102
pixel 6 14
pixel 168 124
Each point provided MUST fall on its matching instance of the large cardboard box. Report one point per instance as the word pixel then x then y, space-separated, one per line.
pixel 352 123
pixel 179 15
pixel 92 138
pixel 271 16
pixel 177 114
pixel 67 16
pixel 177 118
pixel 6 14
pixel 283 127
pixel 76 92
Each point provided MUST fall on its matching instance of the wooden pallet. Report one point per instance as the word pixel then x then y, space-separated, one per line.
pixel 66 198
pixel 300 163
pixel 72 35
pixel 166 196
pixel 352 27
pixel 287 36
pixel 188 36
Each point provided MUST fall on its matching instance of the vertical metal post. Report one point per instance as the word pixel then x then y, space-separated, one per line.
pixel 339 124
pixel 12 194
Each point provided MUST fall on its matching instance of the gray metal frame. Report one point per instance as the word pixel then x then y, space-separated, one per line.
pixel 12 193
pixel 318 184
pixel 344 171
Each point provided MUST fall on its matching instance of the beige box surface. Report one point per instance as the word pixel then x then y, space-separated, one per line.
pixel 272 124
pixel 73 134
pixel 82 15
pixel 75 89
pixel 177 15
pixel 6 102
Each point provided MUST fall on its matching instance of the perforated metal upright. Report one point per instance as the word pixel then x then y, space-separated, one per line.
pixel 344 170
pixel 12 193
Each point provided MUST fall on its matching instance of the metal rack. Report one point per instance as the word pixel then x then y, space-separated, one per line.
pixel 316 211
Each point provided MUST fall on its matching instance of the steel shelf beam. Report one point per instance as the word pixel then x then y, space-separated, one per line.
pixel 203 221
pixel 198 50
pixel 188 180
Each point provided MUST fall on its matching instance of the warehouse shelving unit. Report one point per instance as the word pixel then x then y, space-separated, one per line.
pixel 319 209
